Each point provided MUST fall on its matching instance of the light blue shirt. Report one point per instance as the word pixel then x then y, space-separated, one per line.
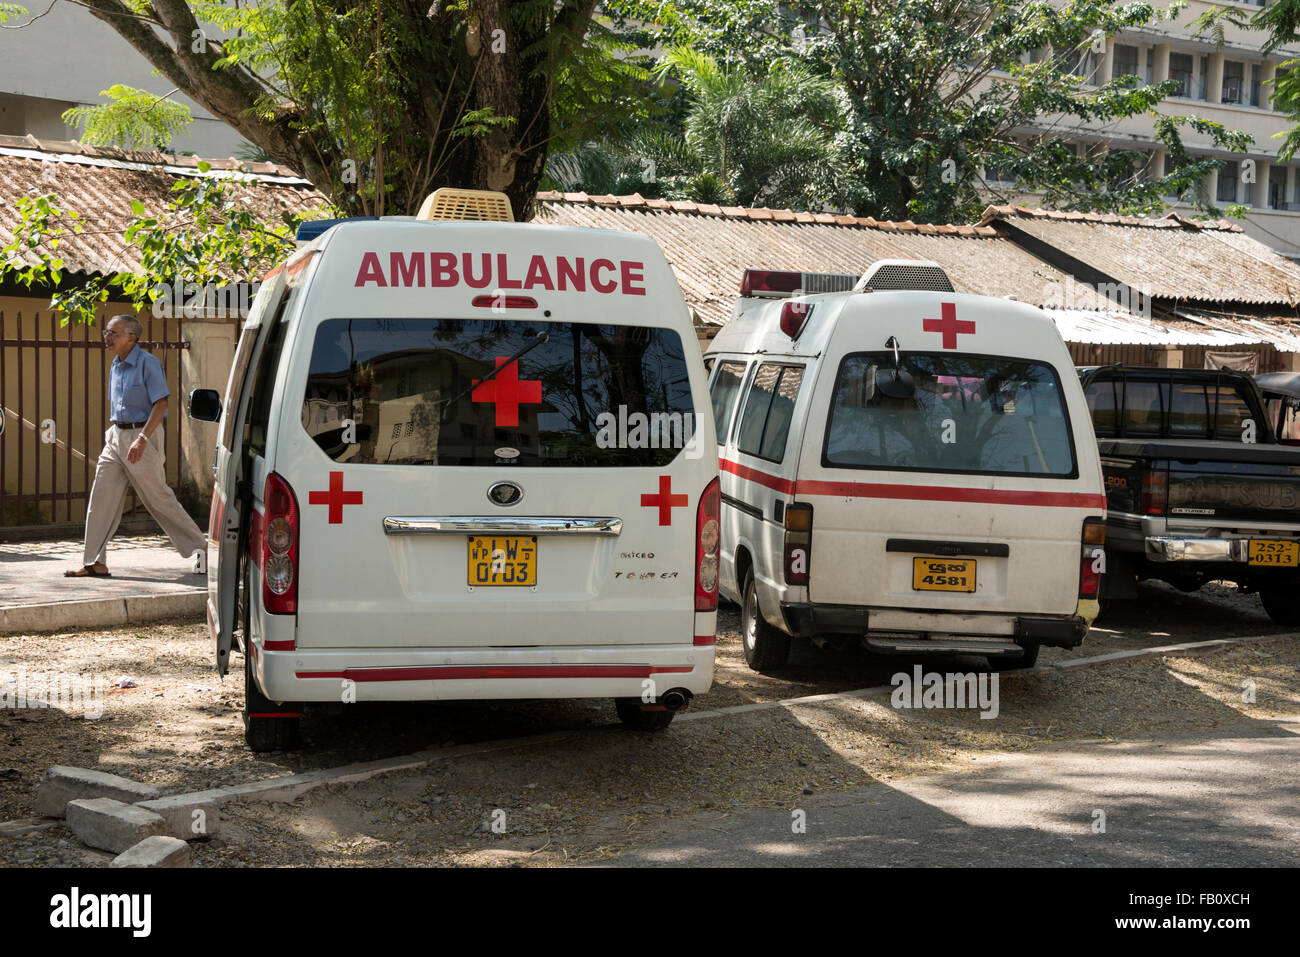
pixel 135 384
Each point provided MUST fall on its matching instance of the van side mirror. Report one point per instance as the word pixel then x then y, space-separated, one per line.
pixel 205 405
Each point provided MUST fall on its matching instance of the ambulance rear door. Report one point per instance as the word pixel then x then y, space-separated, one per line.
pixel 228 521
pixel 498 435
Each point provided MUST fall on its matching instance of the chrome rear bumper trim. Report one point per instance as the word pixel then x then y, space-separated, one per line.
pixel 501 525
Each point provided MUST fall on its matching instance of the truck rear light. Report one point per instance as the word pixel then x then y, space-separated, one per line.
pixel 1155 491
pixel 276 537
pixel 798 543
pixel 1092 559
pixel 794 316
pixel 708 536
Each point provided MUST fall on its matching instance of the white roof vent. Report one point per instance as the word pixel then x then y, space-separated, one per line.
pixel 905 274
pixel 480 204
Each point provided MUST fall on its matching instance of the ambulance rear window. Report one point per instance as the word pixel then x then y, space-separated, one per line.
pixel 495 392
pixel 948 413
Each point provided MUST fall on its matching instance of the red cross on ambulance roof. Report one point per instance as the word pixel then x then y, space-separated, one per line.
pixel 507 392
pixel 949 325
pixel 335 498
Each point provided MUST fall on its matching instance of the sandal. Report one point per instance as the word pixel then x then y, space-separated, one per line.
pixel 86 571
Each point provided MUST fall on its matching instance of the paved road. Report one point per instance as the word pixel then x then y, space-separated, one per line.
pixel 1227 799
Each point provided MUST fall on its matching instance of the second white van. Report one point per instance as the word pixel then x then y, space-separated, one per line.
pixel 904 466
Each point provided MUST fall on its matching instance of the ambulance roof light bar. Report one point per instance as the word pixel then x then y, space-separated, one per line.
pixel 309 231
pixel 781 284
pixel 467 204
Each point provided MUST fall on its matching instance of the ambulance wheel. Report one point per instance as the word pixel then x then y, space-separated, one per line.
pixel 1027 660
pixel 265 734
pixel 637 718
pixel 766 648
pixel 1281 602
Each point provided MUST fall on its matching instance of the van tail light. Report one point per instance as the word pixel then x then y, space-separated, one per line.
pixel 708 537
pixel 503 301
pixel 1092 561
pixel 277 547
pixel 794 316
pixel 1155 491
pixel 798 543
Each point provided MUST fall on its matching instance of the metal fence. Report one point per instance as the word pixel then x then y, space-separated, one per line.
pixel 54 391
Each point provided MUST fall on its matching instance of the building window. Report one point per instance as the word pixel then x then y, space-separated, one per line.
pixel 1228 183
pixel 1081 63
pixel 1180 69
pixel 1125 62
pixel 1202 91
pixel 1233 71
pixel 1276 198
pixel 1256 71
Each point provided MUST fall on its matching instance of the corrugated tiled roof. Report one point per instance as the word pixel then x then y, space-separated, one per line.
pixel 710 246
pixel 99 183
pixel 1171 258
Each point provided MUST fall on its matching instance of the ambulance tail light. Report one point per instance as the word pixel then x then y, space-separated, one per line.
pixel 278 547
pixel 1092 561
pixel 505 302
pixel 778 284
pixel 794 316
pixel 1155 492
pixel 708 537
pixel 798 542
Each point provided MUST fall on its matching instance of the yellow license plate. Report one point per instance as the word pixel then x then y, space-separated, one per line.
pixel 943 574
pixel 502 560
pixel 1264 552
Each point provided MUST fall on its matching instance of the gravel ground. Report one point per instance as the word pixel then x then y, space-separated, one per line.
pixel 601 788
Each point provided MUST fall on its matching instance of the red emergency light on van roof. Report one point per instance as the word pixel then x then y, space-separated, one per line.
pixel 778 284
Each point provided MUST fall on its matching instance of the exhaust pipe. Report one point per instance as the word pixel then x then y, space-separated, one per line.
pixel 676 699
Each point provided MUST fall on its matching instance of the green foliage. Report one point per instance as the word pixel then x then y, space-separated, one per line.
pixel 10 10
pixel 206 233
pixel 929 94
pixel 131 118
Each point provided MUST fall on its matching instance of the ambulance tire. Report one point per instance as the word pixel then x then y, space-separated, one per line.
pixel 1027 660
pixel 265 734
pixel 637 718
pixel 1281 602
pixel 766 648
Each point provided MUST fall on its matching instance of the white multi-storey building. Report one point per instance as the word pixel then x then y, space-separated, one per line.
pixel 64 59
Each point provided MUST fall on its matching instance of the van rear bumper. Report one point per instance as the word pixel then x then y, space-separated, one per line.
pixel 462 674
pixel 808 619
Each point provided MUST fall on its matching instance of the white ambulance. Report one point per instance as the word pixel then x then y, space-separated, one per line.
pixel 902 466
pixel 465 460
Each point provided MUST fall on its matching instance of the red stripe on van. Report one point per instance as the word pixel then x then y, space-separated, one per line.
pixel 942 493
pixel 454 672
pixel 923 493
pixel 705 640
pixel 754 475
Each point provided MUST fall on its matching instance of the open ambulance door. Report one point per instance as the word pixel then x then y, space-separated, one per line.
pixel 232 497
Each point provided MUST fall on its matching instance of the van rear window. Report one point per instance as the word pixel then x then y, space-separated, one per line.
pixel 497 392
pixel 948 413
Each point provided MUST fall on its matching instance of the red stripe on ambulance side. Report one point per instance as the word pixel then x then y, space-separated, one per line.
pixel 454 672
pixel 922 493
pixel 754 475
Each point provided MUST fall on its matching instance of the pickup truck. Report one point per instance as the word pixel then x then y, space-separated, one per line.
pixel 1198 488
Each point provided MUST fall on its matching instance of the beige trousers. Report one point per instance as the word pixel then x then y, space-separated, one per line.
pixel 113 473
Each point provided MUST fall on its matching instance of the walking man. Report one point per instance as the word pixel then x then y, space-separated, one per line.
pixel 133 454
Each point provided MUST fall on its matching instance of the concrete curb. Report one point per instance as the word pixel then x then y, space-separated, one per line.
pixel 102 612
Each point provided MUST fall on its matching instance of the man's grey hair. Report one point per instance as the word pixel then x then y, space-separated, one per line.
pixel 130 324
